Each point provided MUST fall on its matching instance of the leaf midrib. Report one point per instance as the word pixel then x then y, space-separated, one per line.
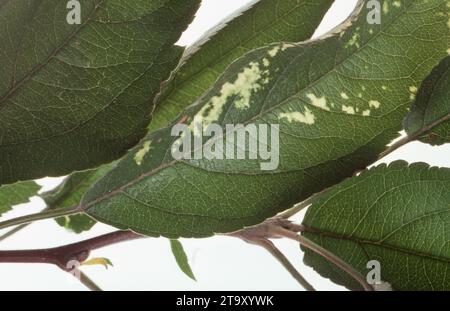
pixel 325 75
pixel 85 206
pixel 155 170
pixel 334 69
pixel 381 243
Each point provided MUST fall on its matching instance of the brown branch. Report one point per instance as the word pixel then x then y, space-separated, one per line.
pixel 282 228
pixel 260 235
pixel 61 256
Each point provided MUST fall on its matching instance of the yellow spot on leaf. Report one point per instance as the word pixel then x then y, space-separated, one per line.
pixel 307 117
pixel 248 81
pixel 318 102
pixel 413 90
pixel 374 104
pixel 348 109
pixel 354 41
pixel 385 7
pixel 139 156
pixel 273 52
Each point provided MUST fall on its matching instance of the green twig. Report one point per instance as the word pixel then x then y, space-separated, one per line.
pixel 12 232
pixel 300 206
pixel 39 216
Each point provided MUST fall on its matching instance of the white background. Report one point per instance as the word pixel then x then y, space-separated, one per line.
pixel 219 263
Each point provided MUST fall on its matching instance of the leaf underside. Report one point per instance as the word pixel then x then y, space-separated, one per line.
pixel 260 23
pixel 398 215
pixel 339 101
pixel 75 96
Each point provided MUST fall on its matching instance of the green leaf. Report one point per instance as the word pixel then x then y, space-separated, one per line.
pixel 18 193
pixel 324 137
pixel 398 215
pixel 70 193
pixel 256 25
pixel 181 258
pixel 430 114
pixel 75 96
